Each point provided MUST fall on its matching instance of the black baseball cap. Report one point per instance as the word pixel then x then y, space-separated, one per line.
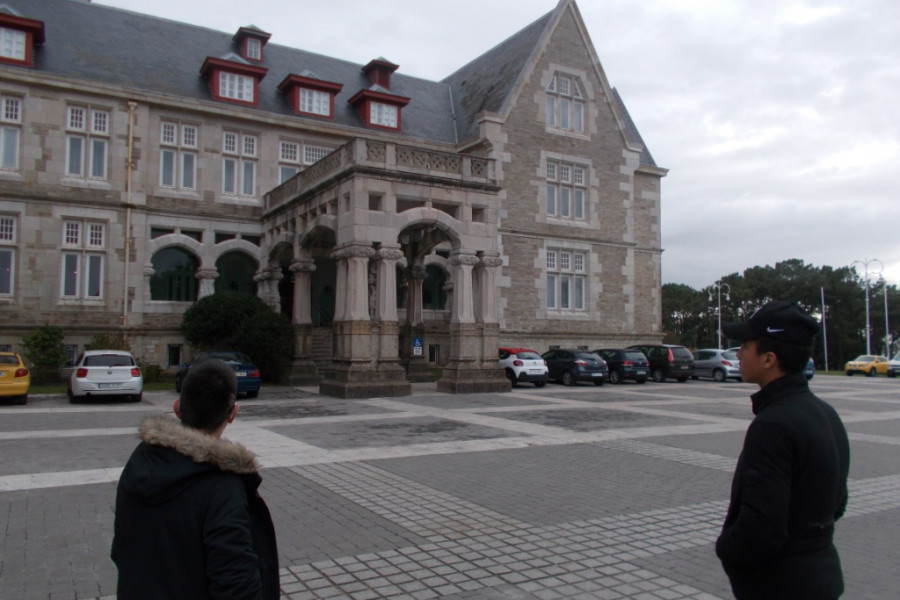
pixel 778 320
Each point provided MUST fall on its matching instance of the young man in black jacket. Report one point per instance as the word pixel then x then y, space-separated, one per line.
pixel 790 483
pixel 189 522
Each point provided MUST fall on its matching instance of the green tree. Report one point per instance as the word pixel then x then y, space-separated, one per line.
pixel 234 321
pixel 44 353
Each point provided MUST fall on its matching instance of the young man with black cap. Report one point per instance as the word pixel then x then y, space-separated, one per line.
pixel 790 483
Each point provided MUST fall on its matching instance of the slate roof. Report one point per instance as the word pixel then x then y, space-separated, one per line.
pixel 136 51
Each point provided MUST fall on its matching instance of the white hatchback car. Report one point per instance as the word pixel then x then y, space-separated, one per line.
pixel 523 365
pixel 104 373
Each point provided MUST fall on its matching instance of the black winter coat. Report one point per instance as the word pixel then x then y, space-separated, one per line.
pixel 789 488
pixel 189 522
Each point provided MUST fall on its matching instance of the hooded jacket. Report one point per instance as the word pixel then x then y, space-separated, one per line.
pixel 789 488
pixel 189 521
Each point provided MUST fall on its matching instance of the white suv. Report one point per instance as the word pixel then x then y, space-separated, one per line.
pixel 523 365
pixel 104 373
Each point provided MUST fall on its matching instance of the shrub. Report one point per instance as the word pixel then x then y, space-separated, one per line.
pixel 44 353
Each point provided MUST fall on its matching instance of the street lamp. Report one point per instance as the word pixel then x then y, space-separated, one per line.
pixel 865 263
pixel 718 287
pixel 887 327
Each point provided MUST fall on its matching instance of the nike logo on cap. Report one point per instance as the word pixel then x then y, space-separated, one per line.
pixel 773 330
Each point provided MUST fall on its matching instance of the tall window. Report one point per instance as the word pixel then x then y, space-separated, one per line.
pixel 254 49
pixel 315 102
pixel 10 122
pixel 87 142
pixel 289 160
pixel 239 164
pixel 236 87
pixel 566 190
pixel 83 257
pixel 383 114
pixel 178 156
pixel 174 276
pixel 7 254
pixel 565 104
pixel 566 279
pixel 12 43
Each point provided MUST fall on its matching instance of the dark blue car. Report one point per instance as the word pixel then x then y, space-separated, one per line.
pixel 248 377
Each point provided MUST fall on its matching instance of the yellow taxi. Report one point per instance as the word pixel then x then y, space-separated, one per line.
pixel 15 379
pixel 868 364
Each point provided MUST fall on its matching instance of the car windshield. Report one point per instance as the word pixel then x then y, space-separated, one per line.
pixel 108 360
pixel 635 356
pixel 529 355
pixel 9 360
pixel 681 351
pixel 865 358
pixel 231 357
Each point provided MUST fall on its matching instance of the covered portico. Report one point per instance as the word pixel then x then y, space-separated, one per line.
pixel 365 222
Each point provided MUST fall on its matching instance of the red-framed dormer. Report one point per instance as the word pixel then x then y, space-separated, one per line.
pixel 233 79
pixel 379 71
pixel 18 37
pixel 309 95
pixel 250 41
pixel 379 108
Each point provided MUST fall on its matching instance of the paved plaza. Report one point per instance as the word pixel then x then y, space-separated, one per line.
pixel 582 492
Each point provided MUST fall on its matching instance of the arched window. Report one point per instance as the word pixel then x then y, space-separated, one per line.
pixel 434 297
pixel 236 270
pixel 174 278
pixel 565 103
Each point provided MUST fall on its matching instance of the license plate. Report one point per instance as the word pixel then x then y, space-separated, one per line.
pixel 2 373
pixel 108 386
pixel 534 371
pixel 641 372
pixel 596 374
pixel 240 373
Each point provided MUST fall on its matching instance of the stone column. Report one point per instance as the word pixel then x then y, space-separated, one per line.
pixel 302 270
pixel 487 277
pixel 267 280
pixel 207 279
pixel 386 295
pixel 415 277
pixel 417 369
pixel 463 292
pixel 303 366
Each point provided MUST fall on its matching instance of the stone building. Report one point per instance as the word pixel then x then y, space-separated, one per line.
pixel 401 223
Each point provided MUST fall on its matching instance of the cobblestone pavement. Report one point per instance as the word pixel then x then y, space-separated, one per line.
pixel 579 493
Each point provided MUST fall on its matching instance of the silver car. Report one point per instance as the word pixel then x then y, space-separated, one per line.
pixel 720 365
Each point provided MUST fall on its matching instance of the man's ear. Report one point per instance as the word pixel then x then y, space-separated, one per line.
pixel 176 407
pixel 234 412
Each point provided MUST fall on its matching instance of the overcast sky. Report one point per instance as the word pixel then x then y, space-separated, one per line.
pixel 779 121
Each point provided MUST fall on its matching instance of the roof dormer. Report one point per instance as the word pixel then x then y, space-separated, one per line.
pixel 18 37
pixel 309 95
pixel 233 79
pixel 379 71
pixel 378 107
pixel 250 41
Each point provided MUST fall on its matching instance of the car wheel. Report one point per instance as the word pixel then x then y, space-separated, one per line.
pixel 642 380
pixel 681 379
pixel 614 377
pixel 891 374
pixel 658 376
pixel 719 375
pixel 23 399
pixel 511 376
pixel 568 378
pixel 871 372
pixel 178 384
pixel 136 397
pixel 75 399
pixel 598 382
pixel 540 384
pixel 849 373
pixel 253 394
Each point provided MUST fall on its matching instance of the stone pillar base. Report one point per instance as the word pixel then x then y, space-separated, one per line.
pixel 469 378
pixel 418 370
pixel 354 380
pixel 303 371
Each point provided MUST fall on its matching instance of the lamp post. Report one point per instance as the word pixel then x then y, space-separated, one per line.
pixel 887 328
pixel 865 263
pixel 718 287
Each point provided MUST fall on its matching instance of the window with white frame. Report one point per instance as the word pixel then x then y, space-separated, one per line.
pixel 383 114
pixel 254 49
pixel 83 259
pixel 566 190
pixel 289 160
pixel 7 254
pixel 236 87
pixel 315 102
pixel 312 154
pixel 12 43
pixel 87 142
pixel 10 132
pixel 239 164
pixel 565 108
pixel 566 279
pixel 178 156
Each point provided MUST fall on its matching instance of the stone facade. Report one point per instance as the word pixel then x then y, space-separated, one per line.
pixel 524 211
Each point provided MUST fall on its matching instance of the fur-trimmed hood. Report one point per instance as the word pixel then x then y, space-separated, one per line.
pixel 172 457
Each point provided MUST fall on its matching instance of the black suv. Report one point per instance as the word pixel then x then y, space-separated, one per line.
pixel 667 361
pixel 625 364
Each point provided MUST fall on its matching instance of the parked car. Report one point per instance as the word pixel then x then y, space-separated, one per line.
pixel 105 373
pixel 249 379
pixel 810 369
pixel 868 364
pixel 570 366
pixel 720 365
pixel 625 364
pixel 667 361
pixel 894 366
pixel 522 365
pixel 15 378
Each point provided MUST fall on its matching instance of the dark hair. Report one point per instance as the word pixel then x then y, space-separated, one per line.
pixel 791 357
pixel 207 394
